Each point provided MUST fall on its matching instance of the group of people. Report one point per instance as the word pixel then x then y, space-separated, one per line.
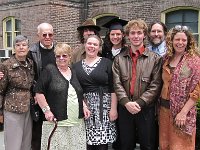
pixel 103 92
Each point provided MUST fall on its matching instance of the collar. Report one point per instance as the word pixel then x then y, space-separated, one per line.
pixel 45 47
pixel 16 63
pixel 140 50
pixel 115 52
pixel 160 49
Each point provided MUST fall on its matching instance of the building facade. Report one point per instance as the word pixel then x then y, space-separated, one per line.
pixel 23 16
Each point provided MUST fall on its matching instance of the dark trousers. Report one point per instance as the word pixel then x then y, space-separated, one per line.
pixel 141 125
pixel 116 144
pixel 36 135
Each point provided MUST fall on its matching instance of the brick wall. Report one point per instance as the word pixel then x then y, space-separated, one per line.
pixel 63 15
pixel 30 14
pixel 66 16
pixel 149 10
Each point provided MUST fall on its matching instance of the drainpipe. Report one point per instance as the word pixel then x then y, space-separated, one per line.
pixel 85 10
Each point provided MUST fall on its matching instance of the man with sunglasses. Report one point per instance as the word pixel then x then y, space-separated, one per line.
pixel 42 53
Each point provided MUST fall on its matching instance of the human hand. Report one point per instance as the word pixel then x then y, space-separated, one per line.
pixel 49 116
pixel 1 75
pixel 35 98
pixel 133 107
pixel 1 118
pixel 180 119
pixel 113 114
pixel 86 112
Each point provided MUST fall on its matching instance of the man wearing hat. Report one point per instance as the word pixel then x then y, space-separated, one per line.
pixel 114 44
pixel 87 28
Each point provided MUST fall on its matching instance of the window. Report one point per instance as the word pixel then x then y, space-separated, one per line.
pixel 11 28
pixel 185 17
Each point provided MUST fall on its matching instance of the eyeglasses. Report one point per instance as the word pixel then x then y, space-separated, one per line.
pixel 181 28
pixel 50 35
pixel 62 56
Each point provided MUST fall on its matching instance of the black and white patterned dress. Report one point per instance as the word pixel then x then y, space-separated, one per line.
pixel 97 84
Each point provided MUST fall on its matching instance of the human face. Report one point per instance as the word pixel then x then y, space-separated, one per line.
pixel 21 50
pixel 136 37
pixel 46 36
pixel 87 32
pixel 116 37
pixel 62 59
pixel 180 42
pixel 92 47
pixel 157 34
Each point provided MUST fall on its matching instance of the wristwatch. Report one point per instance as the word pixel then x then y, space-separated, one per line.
pixel 45 109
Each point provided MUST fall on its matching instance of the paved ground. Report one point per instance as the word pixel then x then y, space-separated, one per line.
pixel 1 141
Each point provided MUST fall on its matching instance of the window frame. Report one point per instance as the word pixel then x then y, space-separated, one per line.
pixel 163 17
pixel 13 32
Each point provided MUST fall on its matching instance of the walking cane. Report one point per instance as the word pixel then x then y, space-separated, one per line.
pixel 52 132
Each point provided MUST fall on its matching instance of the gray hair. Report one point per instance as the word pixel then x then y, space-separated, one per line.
pixel 20 38
pixel 44 25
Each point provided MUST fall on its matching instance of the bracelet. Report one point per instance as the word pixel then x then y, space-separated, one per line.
pixel 45 109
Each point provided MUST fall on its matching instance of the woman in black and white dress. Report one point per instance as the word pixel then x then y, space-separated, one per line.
pixel 95 76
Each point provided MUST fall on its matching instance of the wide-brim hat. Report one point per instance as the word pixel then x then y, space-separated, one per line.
pixel 89 23
pixel 115 24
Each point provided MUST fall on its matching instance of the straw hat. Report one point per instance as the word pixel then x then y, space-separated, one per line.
pixel 89 23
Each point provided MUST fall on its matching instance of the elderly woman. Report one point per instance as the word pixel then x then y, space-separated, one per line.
pixel 60 97
pixel 95 76
pixel 15 96
pixel 180 92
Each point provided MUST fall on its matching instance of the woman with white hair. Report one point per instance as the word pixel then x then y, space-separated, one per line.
pixel 15 96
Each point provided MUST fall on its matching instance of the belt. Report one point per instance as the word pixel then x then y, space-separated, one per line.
pixel 165 103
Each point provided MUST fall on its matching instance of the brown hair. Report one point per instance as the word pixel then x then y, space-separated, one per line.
pixel 96 37
pixel 139 23
pixel 191 43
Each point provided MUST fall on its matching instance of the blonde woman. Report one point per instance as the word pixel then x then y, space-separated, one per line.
pixel 60 97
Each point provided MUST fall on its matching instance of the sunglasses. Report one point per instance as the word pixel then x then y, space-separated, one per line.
pixel 62 56
pixel 47 34
pixel 181 28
